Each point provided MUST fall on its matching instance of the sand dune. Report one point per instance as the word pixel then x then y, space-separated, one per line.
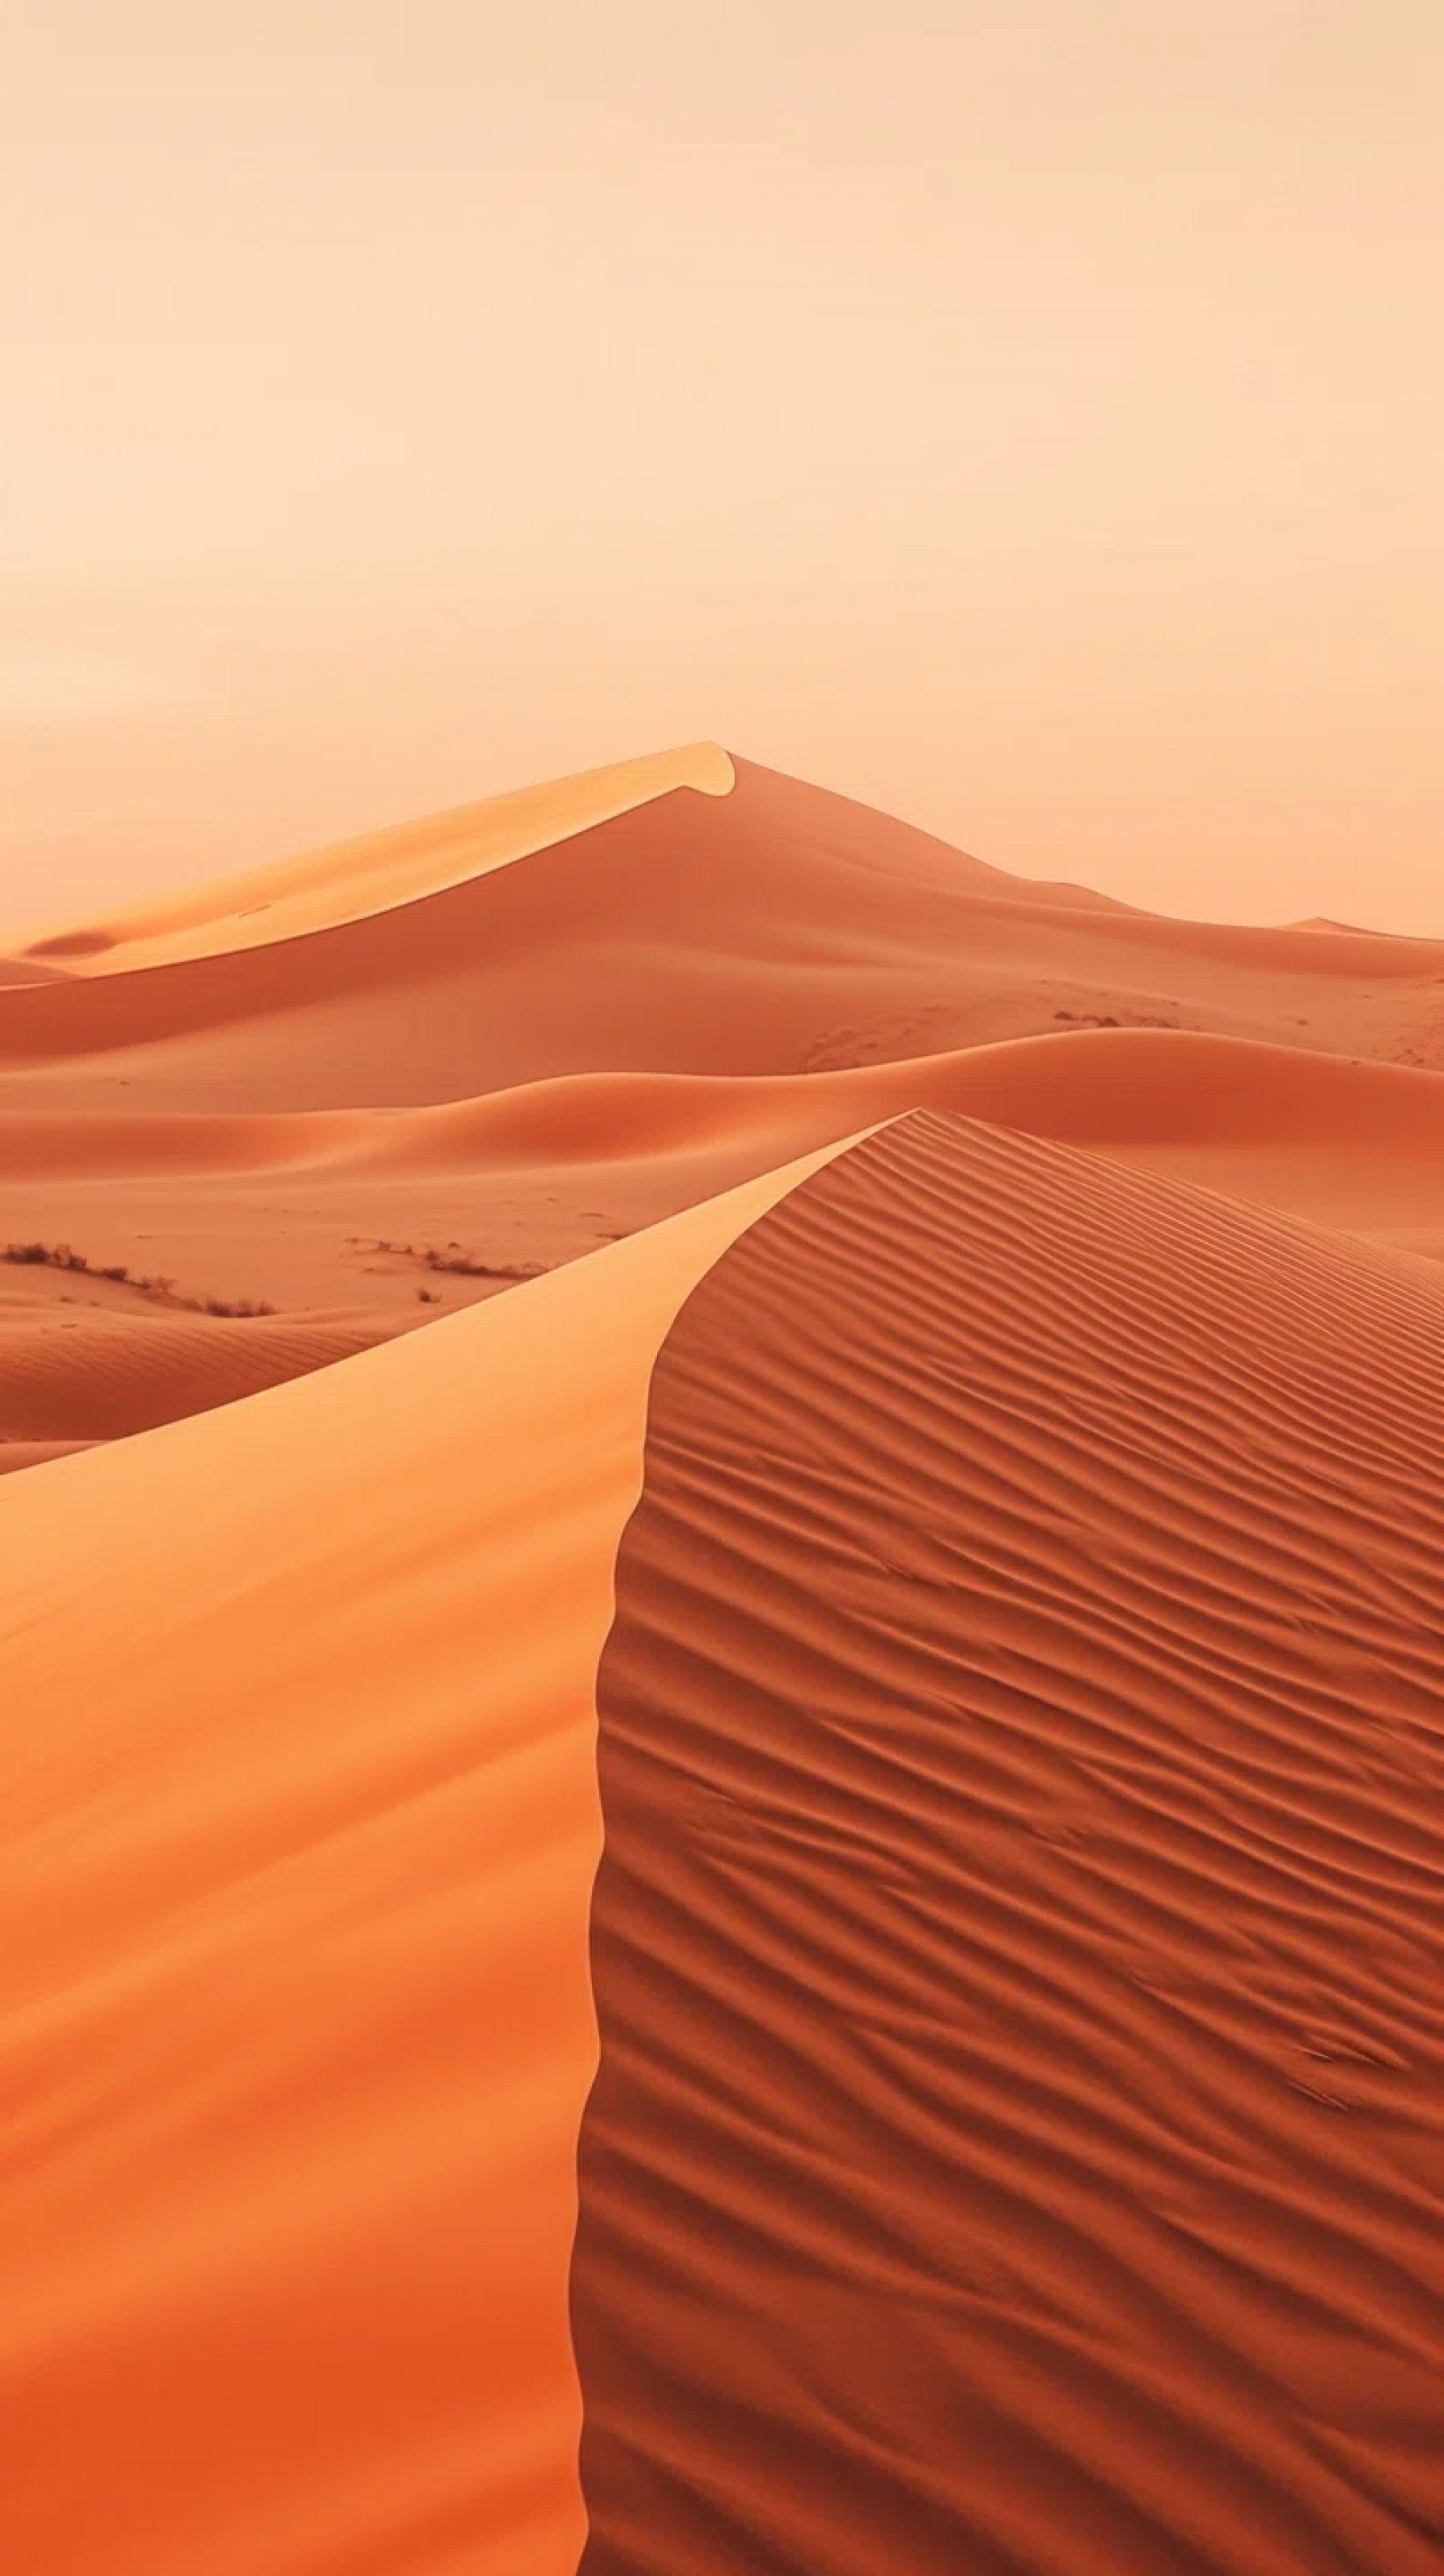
pixel 301 1824
pixel 130 1145
pixel 772 929
pixel 1098 1087
pixel 504 1036
pixel 772 1907
pixel 326 888
pixel 1113 1089
pixel 1102 1087
pixel 1016 1941
pixel 29 970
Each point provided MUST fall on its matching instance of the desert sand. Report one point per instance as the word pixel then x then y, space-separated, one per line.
pixel 370 1085
pixel 772 1903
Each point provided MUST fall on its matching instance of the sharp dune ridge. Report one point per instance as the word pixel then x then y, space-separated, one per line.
pixel 771 1905
pixel 356 879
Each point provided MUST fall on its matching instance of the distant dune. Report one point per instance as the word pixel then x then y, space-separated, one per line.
pixel 327 889
pixel 772 929
pixel 770 1907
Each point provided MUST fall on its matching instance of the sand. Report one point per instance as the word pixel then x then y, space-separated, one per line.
pixel 770 1901
pixel 371 1085
pixel 356 1224
pixel 301 1822
pixel 1016 1943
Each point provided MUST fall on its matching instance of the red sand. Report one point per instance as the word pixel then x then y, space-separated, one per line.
pixel 1010 2144
pixel 300 1827
pixel 1016 1943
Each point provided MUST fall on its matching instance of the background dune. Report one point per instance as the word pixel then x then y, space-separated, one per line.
pixel 387 1080
pixel 93 1377
pixel 326 888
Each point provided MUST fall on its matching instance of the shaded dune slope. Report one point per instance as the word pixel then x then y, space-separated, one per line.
pixel 325 888
pixel 1016 1945
pixel 297 1730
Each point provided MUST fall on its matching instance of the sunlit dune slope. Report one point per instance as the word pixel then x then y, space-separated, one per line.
pixel 300 1824
pixel 1016 1944
pixel 772 929
pixel 326 888
pixel 1097 1087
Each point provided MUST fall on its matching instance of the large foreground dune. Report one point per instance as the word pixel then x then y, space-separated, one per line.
pixel 302 1820
pixel 769 1907
pixel 984 2112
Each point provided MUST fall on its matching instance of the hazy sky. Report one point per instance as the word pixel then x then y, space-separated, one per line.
pixel 1026 416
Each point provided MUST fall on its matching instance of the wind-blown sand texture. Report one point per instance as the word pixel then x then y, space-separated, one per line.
pixel 1016 1943
pixel 773 1904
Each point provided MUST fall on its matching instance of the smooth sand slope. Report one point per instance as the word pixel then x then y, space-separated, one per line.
pixel 1016 1944
pixel 300 1823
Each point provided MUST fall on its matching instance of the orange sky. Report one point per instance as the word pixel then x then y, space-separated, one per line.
pixel 1026 417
